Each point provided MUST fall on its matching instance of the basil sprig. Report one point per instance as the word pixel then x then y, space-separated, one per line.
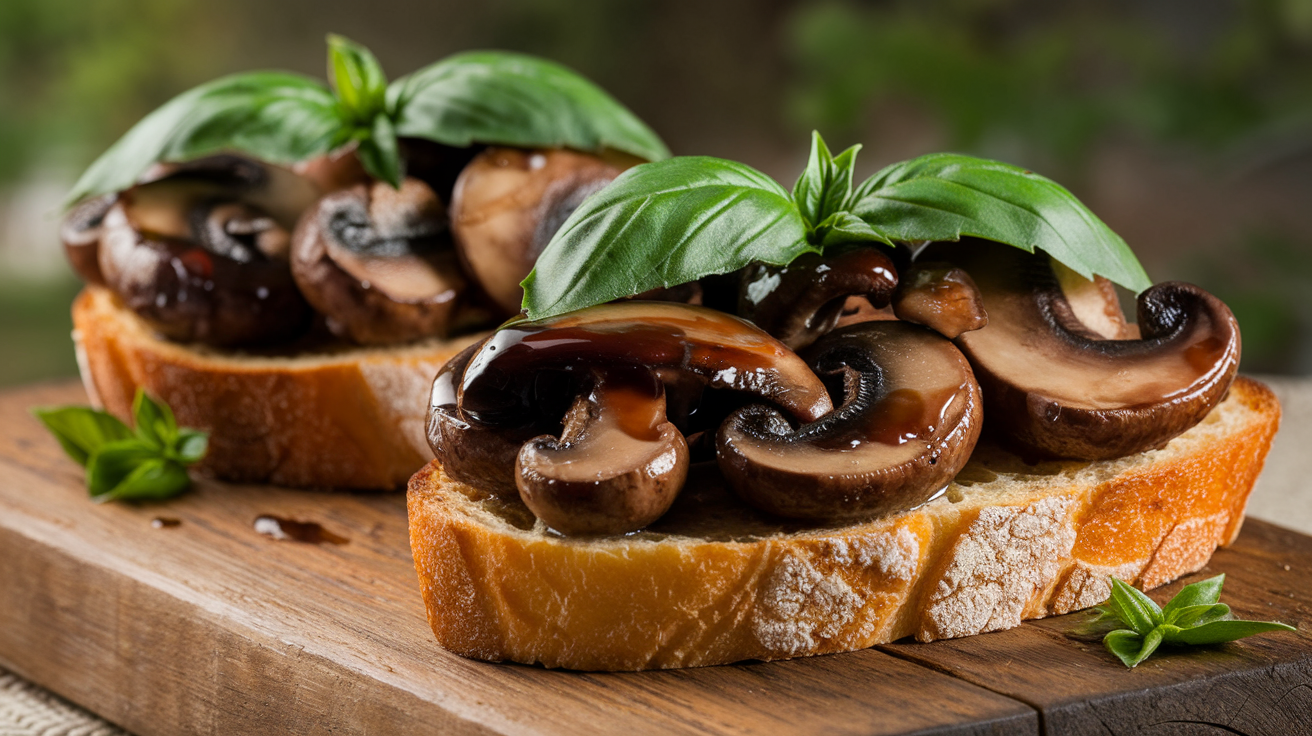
pixel 675 221
pixel 1194 616
pixel 282 118
pixel 149 462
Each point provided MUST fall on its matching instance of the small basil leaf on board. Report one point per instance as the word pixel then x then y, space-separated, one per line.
pixel 1202 593
pixel 81 430
pixel 357 77
pixel 191 446
pixel 1217 632
pixel 112 463
pixel 154 479
pixel 515 100
pixel 379 152
pixel 273 116
pixel 1188 616
pixel 945 196
pixel 663 224
pixel 1131 647
pixel 1137 610
pixel 825 185
pixel 154 422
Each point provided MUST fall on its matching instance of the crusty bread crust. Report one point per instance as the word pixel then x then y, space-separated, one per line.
pixel 713 582
pixel 340 417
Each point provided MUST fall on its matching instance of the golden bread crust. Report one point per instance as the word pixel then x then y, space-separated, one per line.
pixel 342 417
pixel 713 582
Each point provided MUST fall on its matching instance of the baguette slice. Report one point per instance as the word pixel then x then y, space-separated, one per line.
pixel 713 582
pixel 339 417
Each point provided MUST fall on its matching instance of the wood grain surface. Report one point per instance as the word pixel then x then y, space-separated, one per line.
pixel 211 627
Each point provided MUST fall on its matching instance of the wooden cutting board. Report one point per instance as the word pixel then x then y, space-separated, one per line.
pixel 208 626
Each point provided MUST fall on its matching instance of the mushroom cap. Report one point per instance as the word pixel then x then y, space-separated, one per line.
pixel 1055 387
pixel 940 297
pixel 509 202
pixel 617 465
pixel 800 302
pixel 378 263
pixel 80 233
pixel 909 419
pixel 200 254
pixel 724 351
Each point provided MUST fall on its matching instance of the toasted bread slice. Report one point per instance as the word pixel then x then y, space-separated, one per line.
pixel 338 416
pixel 714 582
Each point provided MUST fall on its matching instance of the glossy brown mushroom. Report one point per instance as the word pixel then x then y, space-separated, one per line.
pixel 617 465
pixel 909 419
pixel 378 263
pixel 940 297
pixel 509 202
pixel 1055 387
pixel 519 383
pixel 80 233
pixel 800 302
pixel 201 254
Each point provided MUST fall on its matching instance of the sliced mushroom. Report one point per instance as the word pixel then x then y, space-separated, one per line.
pixel 617 465
pixel 1054 386
pixel 520 382
pixel 908 422
pixel 202 253
pixel 378 263
pixel 800 302
pixel 509 202
pixel 80 233
pixel 940 297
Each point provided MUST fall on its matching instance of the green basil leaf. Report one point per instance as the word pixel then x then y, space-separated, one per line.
pixel 1130 647
pixel 1137 610
pixel 273 116
pixel 845 227
pixel 515 100
pixel 945 196
pixel 358 78
pixel 156 478
pixel 191 446
pixel 379 153
pixel 664 224
pixel 113 462
pixel 1190 616
pixel 1217 632
pixel 154 422
pixel 1202 593
pixel 81 430
pixel 826 184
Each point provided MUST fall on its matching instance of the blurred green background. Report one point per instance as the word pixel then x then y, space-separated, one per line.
pixel 1185 124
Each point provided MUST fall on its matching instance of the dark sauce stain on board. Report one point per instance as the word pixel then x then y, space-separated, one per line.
pixel 164 522
pixel 284 529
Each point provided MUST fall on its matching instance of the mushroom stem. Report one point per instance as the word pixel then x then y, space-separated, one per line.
pixel 940 297
pixel 617 465
pixel 909 420
pixel 800 302
pixel 1054 387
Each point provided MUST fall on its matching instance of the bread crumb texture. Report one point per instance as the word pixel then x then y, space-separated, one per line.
pixel 329 416
pixel 714 582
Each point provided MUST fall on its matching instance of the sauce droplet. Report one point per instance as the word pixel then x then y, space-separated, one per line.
pixel 164 522
pixel 299 531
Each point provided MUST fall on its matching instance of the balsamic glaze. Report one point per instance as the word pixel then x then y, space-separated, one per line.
pixel 164 522
pixel 284 529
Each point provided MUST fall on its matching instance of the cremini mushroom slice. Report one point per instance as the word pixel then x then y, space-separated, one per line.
pixel 800 302
pixel 80 233
pixel 617 465
pixel 201 254
pixel 1054 386
pixel 378 263
pixel 521 381
pixel 909 419
pixel 509 202
pixel 940 297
